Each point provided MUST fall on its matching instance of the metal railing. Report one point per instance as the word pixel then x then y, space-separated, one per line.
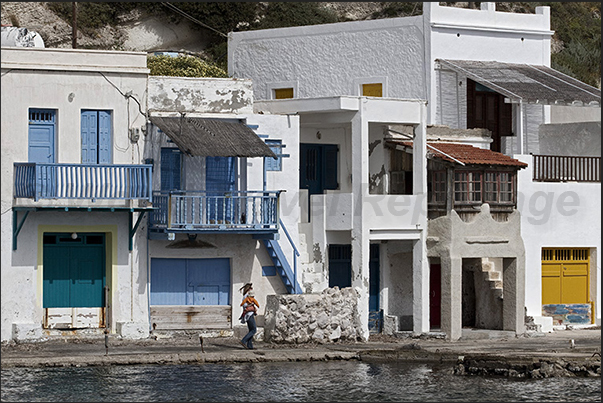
pixel 558 168
pixel 82 181
pixel 202 210
pixel 295 255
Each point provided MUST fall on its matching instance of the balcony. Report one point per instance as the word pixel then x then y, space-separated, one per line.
pixel 242 212
pixel 45 181
pixel 557 168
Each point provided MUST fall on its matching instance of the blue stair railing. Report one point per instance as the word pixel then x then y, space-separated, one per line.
pixel 281 263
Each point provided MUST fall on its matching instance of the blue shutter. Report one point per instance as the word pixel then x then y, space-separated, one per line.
pixel 104 137
pixel 89 131
pixel 170 169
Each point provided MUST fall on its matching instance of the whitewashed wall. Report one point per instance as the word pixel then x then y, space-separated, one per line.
pixel 557 215
pixel 68 81
pixel 332 59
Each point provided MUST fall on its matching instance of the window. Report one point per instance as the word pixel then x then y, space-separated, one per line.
pixel 372 90
pixel 274 164
pixel 499 187
pixel 96 137
pixel 437 187
pixel 467 187
pixel 283 93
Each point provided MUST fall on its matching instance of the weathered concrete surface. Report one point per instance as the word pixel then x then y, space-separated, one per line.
pixel 529 356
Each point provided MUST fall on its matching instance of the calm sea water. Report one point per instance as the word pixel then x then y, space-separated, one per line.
pixel 334 381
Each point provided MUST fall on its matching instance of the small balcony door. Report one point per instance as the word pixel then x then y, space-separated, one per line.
pixel 41 135
pixel 220 177
pixel 318 167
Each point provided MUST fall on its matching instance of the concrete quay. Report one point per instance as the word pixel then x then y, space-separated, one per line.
pixel 575 352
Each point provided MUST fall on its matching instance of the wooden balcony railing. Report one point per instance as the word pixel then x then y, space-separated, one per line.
pixel 243 211
pixel 558 168
pixel 82 181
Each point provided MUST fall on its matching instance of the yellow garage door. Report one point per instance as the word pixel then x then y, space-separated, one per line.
pixel 565 275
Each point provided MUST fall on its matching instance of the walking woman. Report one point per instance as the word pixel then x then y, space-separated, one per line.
pixel 248 316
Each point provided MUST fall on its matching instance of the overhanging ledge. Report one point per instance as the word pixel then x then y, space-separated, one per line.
pixel 206 137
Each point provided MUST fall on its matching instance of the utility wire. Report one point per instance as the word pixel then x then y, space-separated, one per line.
pixel 176 9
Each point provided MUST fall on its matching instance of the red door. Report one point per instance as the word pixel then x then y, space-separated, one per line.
pixel 435 295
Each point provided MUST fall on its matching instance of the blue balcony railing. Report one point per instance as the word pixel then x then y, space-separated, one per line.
pixel 242 211
pixel 83 181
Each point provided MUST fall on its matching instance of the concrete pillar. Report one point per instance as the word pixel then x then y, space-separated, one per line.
pixel 420 286
pixel 360 229
pixel 452 302
pixel 420 262
pixel 513 296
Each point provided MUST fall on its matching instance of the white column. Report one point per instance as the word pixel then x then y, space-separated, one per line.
pixel 420 262
pixel 520 126
pixel 360 229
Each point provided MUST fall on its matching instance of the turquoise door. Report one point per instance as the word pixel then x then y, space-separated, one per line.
pixel 73 270
pixel 190 281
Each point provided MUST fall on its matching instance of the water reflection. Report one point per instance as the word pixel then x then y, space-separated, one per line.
pixel 340 381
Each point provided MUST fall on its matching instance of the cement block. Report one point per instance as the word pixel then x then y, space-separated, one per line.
pixel 27 332
pixel 132 330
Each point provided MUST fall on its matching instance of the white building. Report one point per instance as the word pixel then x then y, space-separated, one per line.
pixel 476 69
pixel 120 226
pixel 73 191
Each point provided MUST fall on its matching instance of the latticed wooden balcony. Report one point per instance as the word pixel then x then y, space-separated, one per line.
pixel 40 181
pixel 204 211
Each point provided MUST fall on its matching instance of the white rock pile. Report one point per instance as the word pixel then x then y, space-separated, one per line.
pixel 325 317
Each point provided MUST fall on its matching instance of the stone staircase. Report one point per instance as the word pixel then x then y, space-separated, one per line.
pixel 493 277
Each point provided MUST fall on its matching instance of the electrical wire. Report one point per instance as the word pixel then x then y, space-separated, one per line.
pixel 176 9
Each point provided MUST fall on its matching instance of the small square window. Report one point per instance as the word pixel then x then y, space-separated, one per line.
pixel 283 93
pixel 372 90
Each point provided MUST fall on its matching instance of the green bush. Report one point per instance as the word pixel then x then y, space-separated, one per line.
pixel 183 66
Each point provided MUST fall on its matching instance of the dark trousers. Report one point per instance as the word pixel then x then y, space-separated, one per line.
pixel 247 340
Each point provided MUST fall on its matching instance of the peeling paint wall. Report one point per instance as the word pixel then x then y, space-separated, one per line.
pixel 200 95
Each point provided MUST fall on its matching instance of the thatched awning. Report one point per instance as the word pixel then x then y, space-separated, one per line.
pixel 527 83
pixel 204 137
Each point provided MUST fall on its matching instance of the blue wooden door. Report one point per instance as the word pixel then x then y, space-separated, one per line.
pixel 96 137
pixel 73 270
pixel 41 143
pixel 190 281
pixel 41 135
pixel 219 182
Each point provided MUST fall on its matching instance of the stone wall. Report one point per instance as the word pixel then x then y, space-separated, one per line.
pixel 323 318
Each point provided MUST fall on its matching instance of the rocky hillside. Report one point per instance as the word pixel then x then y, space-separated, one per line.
pixel 576 45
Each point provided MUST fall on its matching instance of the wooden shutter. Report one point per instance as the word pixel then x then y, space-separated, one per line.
pixel 89 132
